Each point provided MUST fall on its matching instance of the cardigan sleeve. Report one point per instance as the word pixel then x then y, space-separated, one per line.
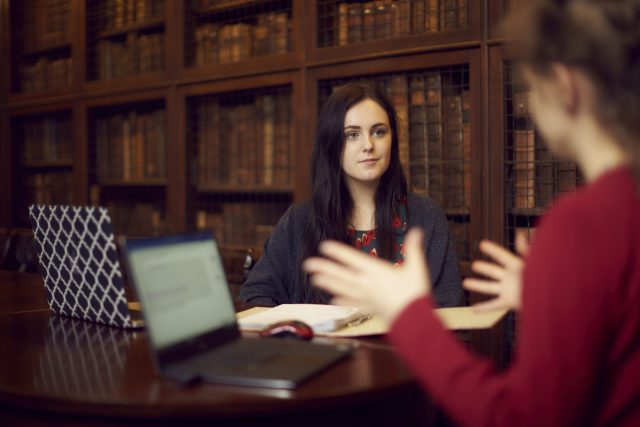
pixel 439 250
pixel 271 278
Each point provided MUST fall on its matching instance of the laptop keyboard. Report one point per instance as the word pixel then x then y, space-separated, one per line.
pixel 249 354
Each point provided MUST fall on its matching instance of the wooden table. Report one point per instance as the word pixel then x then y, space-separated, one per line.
pixel 60 371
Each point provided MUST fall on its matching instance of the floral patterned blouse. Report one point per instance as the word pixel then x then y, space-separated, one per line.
pixel 366 240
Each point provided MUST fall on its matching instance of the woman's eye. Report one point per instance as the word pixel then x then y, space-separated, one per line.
pixel 352 136
pixel 379 132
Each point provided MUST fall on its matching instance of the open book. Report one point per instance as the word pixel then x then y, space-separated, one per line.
pixel 359 325
pixel 321 318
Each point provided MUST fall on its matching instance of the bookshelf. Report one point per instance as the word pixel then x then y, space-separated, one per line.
pixel 531 177
pixel 124 39
pixel 42 161
pixel 127 164
pixel 240 149
pixel 440 61
pixel 40 48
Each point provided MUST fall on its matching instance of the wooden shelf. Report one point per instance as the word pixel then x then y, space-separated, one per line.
pixel 151 182
pixel 465 211
pixel 527 212
pixel 146 25
pixel 41 50
pixel 240 188
pixel 228 5
pixel 61 163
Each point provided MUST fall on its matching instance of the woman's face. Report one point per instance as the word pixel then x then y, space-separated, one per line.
pixel 366 151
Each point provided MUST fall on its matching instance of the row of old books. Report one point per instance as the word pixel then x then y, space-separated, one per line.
pixel 45 74
pixel 382 19
pixel 246 144
pixel 136 218
pixel 137 54
pixel 46 22
pixel 130 147
pixel 117 14
pixel 48 188
pixel 440 135
pixel 241 223
pixel 219 44
pixel 46 139
pixel 537 177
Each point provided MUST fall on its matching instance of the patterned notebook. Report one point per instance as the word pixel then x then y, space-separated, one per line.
pixel 79 263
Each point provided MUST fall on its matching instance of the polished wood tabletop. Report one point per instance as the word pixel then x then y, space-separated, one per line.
pixel 64 371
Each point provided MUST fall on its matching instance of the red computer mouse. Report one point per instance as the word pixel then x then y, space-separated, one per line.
pixel 288 329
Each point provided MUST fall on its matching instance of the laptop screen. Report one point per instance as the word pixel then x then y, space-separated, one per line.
pixel 182 286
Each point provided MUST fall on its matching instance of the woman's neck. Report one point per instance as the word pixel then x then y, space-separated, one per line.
pixel 603 152
pixel 363 195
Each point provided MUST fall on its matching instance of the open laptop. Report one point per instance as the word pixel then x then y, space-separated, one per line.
pixel 192 323
pixel 79 264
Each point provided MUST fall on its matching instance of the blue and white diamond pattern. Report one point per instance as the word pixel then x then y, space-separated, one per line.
pixel 79 263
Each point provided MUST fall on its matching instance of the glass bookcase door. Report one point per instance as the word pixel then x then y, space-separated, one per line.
pixel 43 162
pixel 343 22
pixel 241 162
pixel 127 160
pixel 534 177
pixel 224 32
pixel 125 38
pixel 40 45
pixel 433 108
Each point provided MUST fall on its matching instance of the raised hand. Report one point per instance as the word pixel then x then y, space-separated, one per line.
pixel 375 285
pixel 505 275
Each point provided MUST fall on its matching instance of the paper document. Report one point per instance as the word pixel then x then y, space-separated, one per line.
pixel 454 318
pixel 321 318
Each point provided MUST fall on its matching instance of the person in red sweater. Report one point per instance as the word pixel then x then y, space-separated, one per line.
pixel 577 288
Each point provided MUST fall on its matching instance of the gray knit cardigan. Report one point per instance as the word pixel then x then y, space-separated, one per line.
pixel 275 278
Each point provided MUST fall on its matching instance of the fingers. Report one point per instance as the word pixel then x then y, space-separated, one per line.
pixel 414 255
pixel 331 276
pixel 488 269
pixel 482 286
pixel 348 256
pixel 522 243
pixel 491 305
pixel 497 252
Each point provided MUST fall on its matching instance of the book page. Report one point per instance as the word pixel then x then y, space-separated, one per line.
pixel 453 318
pixel 322 318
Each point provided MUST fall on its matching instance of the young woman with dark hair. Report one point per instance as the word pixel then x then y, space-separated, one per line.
pixel 577 288
pixel 359 197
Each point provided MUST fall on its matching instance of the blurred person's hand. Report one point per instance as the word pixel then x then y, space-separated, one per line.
pixel 505 275
pixel 357 279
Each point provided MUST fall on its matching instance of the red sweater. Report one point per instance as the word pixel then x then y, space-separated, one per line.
pixel 578 360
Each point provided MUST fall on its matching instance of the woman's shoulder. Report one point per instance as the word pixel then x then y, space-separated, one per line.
pixel 423 205
pixel 296 214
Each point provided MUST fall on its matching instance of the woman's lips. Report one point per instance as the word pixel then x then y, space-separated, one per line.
pixel 369 161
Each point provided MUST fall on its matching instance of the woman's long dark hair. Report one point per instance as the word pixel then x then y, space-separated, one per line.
pixel 331 202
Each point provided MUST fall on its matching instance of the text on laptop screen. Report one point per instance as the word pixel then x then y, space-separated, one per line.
pixel 182 288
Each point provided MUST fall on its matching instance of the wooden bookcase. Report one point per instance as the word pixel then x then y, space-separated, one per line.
pixel 238 61
pixel 186 57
